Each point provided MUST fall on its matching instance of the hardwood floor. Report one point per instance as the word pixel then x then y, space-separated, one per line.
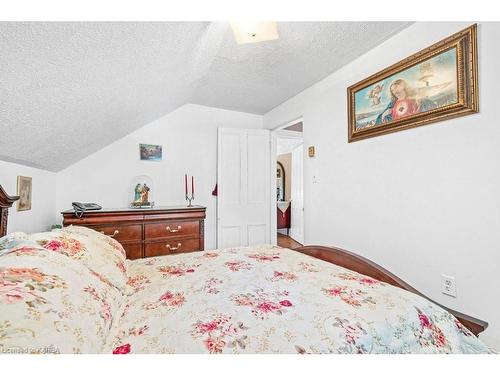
pixel 288 242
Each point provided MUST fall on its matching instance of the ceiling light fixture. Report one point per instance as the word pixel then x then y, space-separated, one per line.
pixel 253 32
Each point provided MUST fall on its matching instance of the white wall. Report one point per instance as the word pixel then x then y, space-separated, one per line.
pixel 41 216
pixel 189 139
pixel 421 202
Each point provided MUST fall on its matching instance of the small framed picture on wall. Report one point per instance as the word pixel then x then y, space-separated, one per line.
pixel 24 190
pixel 150 152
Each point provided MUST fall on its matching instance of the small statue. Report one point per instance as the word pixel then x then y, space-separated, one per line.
pixel 145 195
pixel 141 197
pixel 137 192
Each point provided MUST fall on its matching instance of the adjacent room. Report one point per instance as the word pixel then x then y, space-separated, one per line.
pixel 290 185
pixel 267 187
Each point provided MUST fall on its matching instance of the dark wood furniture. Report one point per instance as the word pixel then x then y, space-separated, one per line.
pixel 284 218
pixel 366 267
pixel 6 201
pixel 148 232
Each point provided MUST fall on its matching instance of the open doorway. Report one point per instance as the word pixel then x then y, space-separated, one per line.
pixel 289 193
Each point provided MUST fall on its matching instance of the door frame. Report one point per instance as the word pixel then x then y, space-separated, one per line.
pixel 273 160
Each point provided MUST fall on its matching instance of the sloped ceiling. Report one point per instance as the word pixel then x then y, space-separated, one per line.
pixel 69 89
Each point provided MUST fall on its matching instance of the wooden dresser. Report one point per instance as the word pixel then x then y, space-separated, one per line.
pixel 148 232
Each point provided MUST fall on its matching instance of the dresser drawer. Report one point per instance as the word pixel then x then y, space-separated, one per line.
pixel 133 250
pixel 121 232
pixel 171 229
pixel 171 247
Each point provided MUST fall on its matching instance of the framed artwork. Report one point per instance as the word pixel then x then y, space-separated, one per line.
pixel 150 152
pixel 24 190
pixel 437 83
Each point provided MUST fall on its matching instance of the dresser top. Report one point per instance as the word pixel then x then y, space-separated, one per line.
pixel 156 209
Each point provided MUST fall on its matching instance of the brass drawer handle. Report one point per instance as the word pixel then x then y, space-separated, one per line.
pixel 111 235
pixel 174 230
pixel 173 249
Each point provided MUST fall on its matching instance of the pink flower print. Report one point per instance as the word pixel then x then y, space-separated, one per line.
pixel 308 267
pixel 424 320
pixel 244 300
pixel 286 276
pixel 178 270
pixel 124 349
pixel 365 280
pixel 439 338
pixel 265 257
pixel 207 327
pixel 168 295
pixel 268 306
pixel 237 265
pixel 368 281
pixel 214 344
pixel 171 299
pixel 336 291
pixel 92 291
pixel 54 245
pixel 286 303
pixel 138 331
pixel 210 286
pixel 106 311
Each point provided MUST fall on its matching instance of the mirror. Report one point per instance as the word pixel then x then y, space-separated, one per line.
pixel 280 182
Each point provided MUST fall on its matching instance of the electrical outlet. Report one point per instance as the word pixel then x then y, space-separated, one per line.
pixel 449 287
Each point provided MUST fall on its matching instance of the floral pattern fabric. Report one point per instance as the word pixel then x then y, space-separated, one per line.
pixel 72 291
pixel 271 300
pixel 104 256
pixel 50 303
pixel 12 238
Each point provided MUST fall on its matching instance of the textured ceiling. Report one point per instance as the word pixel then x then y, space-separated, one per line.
pixel 257 77
pixel 69 89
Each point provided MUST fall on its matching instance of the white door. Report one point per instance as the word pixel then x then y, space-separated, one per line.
pixel 243 177
pixel 297 195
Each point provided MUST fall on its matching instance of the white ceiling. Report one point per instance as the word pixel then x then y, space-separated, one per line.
pixel 69 89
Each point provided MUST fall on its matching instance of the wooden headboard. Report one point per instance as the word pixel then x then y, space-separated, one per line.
pixel 6 202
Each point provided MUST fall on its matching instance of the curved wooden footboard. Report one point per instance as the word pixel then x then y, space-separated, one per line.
pixel 366 267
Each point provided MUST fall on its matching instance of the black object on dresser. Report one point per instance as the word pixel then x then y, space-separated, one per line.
pixel 148 232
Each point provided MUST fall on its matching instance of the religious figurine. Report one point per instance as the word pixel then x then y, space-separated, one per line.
pixel 137 191
pixel 141 196
pixel 145 194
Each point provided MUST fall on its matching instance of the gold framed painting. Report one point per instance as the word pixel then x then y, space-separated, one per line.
pixel 24 190
pixel 437 83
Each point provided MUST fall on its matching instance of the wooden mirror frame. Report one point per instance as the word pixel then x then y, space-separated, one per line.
pixel 6 202
pixel 283 179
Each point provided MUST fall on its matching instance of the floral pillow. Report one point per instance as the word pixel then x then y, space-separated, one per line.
pixel 103 255
pixel 12 238
pixel 50 303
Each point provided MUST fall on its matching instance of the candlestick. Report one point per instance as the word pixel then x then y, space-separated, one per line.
pixel 189 198
pixel 186 184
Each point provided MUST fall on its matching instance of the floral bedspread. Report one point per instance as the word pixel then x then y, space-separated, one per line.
pixel 274 300
pixel 50 303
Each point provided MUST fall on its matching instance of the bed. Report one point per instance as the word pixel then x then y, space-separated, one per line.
pixel 73 291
